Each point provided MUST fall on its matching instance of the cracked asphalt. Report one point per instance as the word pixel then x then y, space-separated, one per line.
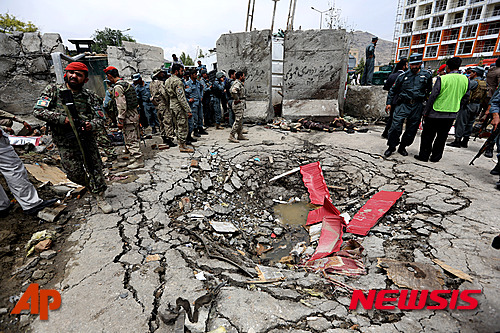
pixel 448 212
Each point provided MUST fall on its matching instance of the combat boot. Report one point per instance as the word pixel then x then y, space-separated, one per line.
pixel 242 137
pixel 202 131
pixel 465 142
pixel 164 139
pixel 488 152
pixel 232 139
pixel 154 130
pixel 402 150
pixel 219 127
pixel 170 143
pixel 244 131
pixel 190 139
pixel 455 143
pixel 184 149
pixel 138 163
pixel 196 133
pixel 102 203
pixel 496 170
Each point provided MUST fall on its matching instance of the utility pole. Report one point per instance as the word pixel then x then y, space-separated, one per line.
pixel 291 14
pixel 274 14
pixel 321 15
pixel 250 11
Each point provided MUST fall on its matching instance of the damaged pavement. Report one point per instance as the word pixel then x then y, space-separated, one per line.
pixel 139 269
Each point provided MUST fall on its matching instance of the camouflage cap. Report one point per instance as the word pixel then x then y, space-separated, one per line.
pixel 155 72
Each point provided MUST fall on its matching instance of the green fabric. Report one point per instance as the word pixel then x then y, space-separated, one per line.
pixel 453 88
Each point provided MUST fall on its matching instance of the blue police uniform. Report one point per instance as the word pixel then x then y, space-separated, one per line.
pixel 194 90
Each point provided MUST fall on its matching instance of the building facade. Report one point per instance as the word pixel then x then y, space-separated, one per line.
pixel 441 29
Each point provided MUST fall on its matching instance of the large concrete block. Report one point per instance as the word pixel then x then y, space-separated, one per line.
pixel 38 65
pixel 31 42
pixel 52 42
pixel 19 94
pixel 134 58
pixel 365 102
pixel 315 69
pixel 8 46
pixel 250 52
pixel 7 65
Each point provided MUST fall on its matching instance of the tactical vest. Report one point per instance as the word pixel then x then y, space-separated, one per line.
pixel 130 95
pixel 479 94
pixel 453 88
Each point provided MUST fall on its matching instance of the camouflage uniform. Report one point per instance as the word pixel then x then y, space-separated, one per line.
pixel 162 101
pixel 49 108
pixel 179 106
pixel 123 94
pixel 239 104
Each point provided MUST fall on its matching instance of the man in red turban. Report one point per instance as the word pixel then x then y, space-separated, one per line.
pixel 74 132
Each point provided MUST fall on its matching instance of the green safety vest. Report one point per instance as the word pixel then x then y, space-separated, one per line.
pixel 453 87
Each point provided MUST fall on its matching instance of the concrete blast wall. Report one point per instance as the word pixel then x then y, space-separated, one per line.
pixel 315 71
pixel 24 68
pixel 250 52
pixel 134 58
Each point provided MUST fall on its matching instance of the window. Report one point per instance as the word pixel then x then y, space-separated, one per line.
pixel 461 3
pixel 431 51
pixel 403 54
pixel 440 5
pixel 488 46
pixel 447 50
pixel 411 2
pixel 469 31
pixel 407 27
pixel 405 41
pixel 474 13
pixel 458 18
pixel 428 9
pixel 410 13
pixel 474 1
pixel 437 21
pixel 425 24
pixel 465 47
pixel 496 11
pixel 434 37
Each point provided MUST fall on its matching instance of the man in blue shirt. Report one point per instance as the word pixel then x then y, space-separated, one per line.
pixel 366 80
pixel 194 94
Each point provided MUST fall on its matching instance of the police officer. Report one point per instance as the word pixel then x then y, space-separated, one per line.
pixel 144 97
pixel 79 158
pixel 467 113
pixel 494 110
pixel 366 80
pixel 207 97
pixel 217 92
pixel 413 88
pixel 125 97
pixel 179 105
pixel 194 94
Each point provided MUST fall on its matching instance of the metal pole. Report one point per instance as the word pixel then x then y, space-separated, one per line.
pixel 248 14
pixel 251 20
pixel 293 13
pixel 274 13
pixel 289 16
pixel 320 20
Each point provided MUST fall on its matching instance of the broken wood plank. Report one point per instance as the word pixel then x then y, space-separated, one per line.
pixel 454 271
pixel 284 174
pixel 50 214
pixel 412 275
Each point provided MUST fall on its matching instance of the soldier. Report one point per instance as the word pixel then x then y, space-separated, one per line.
pixel 413 88
pixel 144 97
pixel 366 80
pixel 73 137
pixel 194 94
pixel 227 86
pixel 467 113
pixel 179 106
pixel 161 101
pixel 217 92
pixel 109 106
pixel 401 67
pixel 239 104
pixel 125 98
pixel 449 92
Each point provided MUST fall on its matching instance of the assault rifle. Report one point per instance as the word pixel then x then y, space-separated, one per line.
pixel 485 124
pixel 489 141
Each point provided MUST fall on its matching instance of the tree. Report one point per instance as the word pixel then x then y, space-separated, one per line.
pixel 108 37
pixel 186 59
pixel 9 23
pixel 360 68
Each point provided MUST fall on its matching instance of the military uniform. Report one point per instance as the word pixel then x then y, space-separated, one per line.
pixel 110 109
pixel 239 104
pixel 207 101
pixel 413 90
pixel 162 101
pixel 144 97
pixel 49 108
pixel 227 85
pixel 179 106
pixel 126 102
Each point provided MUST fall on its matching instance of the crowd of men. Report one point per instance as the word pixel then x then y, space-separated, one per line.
pixel 454 98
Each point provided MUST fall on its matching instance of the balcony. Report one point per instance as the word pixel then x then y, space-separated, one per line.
pixel 433 40
pixel 450 38
pixel 447 53
pixel 484 48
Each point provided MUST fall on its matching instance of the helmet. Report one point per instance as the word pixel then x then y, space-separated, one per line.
pixel 219 75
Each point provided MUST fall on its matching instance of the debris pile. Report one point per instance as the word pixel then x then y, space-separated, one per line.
pixel 347 124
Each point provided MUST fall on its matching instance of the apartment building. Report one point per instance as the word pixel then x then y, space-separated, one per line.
pixel 441 29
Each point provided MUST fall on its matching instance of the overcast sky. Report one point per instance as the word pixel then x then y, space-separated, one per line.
pixel 178 26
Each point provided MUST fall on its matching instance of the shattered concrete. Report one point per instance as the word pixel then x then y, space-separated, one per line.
pixel 365 102
pixel 109 286
pixel 132 58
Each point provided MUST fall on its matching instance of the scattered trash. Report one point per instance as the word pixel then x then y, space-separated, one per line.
pixel 200 276
pixel 256 159
pixel 36 238
pixel 24 140
pixel 50 214
pixel 266 273
pixel 153 257
pixel 43 245
pixel 313 179
pixel 223 227
pixel 372 211
pixel 284 174
pixel 163 146
pixel 347 261
pixel 112 178
pixel 214 153
pixel 194 164
pixel 185 204
pixel 454 271
pixel 331 232
pixel 261 249
pixel 315 232
pixel 46 173
pixel 412 275
pixel 220 329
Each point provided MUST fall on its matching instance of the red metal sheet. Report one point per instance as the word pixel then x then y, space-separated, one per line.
pixel 313 179
pixel 315 216
pixel 372 211
pixel 331 232
pixel 348 261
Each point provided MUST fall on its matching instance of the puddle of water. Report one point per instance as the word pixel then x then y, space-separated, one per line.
pixel 283 247
pixel 293 213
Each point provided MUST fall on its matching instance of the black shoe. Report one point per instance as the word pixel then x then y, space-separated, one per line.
pixel 389 151
pixel 190 139
pixel 488 152
pixel 496 242
pixel 164 139
pixel 5 212
pixel 417 157
pixel 455 143
pixel 496 170
pixel 170 143
pixel 45 203
pixel 465 142
pixel 202 131
pixel 196 133
pixel 385 136
pixel 433 159
pixel 402 151
pixel 154 130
